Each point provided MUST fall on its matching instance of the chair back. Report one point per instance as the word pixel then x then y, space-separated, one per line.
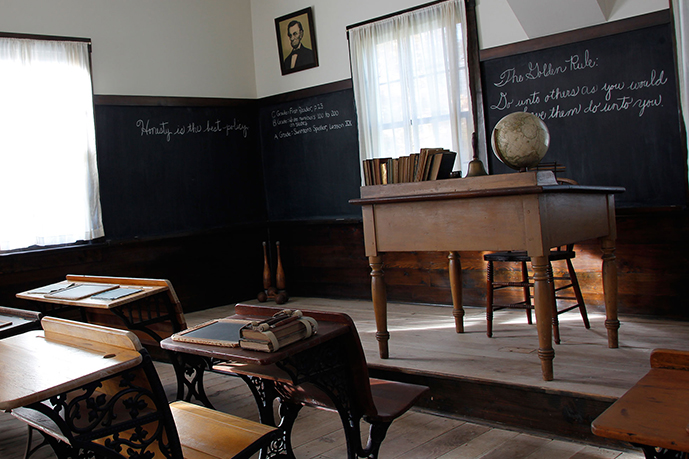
pixel 121 415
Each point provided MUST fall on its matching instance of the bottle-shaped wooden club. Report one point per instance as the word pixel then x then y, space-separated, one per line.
pixel 279 273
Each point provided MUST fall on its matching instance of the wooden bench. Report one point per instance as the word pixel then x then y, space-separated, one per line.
pixel 127 414
pixel 332 376
pixel 654 414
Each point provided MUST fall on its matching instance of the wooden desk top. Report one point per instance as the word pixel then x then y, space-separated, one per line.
pixel 655 412
pixel 474 187
pixel 326 331
pixel 148 287
pixel 34 368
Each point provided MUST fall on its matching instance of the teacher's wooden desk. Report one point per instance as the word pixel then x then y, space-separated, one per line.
pixel 526 211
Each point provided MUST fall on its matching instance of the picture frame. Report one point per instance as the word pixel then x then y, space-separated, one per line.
pixel 296 41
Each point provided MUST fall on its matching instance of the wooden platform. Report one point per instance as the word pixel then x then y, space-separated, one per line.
pixel 480 386
pixel 498 380
pixel 423 340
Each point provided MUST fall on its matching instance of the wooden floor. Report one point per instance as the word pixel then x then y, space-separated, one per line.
pixel 423 338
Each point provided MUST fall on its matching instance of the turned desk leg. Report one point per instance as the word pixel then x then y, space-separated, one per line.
pixel 544 307
pixel 612 324
pixel 380 305
pixel 455 271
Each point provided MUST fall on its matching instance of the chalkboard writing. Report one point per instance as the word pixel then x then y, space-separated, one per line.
pixel 174 170
pixel 310 156
pixel 164 128
pixel 610 105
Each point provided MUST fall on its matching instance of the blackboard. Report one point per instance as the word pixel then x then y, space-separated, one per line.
pixel 611 106
pixel 310 154
pixel 172 169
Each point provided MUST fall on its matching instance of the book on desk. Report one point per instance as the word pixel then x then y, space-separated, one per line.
pixel 284 328
pixel 267 335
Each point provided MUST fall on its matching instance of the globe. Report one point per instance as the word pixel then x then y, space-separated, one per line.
pixel 520 140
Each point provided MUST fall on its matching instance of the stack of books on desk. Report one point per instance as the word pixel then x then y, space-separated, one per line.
pixel 284 328
pixel 428 164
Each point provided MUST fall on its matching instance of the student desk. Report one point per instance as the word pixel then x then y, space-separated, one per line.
pixel 319 360
pixel 36 368
pixel 144 311
pixel 155 311
pixel 654 413
pixel 523 211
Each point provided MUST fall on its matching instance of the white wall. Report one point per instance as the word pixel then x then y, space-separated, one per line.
pixel 497 23
pixel 331 19
pixel 195 48
pixel 228 48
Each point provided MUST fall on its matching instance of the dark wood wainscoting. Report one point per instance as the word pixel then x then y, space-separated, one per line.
pixel 327 259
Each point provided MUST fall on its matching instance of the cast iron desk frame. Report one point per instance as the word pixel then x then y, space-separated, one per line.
pixel 318 360
pixel 530 218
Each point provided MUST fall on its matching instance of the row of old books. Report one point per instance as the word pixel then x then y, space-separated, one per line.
pixel 427 164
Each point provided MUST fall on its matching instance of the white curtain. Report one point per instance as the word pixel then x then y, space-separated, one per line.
pixel 680 10
pixel 48 173
pixel 411 83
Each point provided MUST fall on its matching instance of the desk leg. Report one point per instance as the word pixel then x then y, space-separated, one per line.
pixel 544 311
pixel 612 324
pixel 265 394
pixel 189 371
pixel 380 305
pixel 455 271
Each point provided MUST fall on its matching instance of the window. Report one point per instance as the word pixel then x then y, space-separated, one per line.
pixel 411 83
pixel 49 180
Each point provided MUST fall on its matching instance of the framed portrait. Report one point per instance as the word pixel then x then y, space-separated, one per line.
pixel 296 41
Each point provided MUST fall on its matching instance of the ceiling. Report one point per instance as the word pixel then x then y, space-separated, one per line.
pixel 546 17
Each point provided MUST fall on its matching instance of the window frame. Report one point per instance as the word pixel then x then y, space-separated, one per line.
pixel 79 243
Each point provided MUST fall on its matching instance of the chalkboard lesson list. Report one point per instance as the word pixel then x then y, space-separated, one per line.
pixel 314 118
pixel 610 105
pixel 310 154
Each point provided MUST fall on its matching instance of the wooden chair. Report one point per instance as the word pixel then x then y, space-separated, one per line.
pixel 127 415
pixel 346 388
pixel 525 284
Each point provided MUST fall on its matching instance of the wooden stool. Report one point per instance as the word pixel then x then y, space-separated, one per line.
pixel 526 284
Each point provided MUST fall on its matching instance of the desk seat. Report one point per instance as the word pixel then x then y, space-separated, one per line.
pixel 390 399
